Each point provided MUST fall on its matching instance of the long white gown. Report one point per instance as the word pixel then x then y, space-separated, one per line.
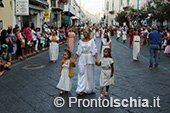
pixel 124 35
pixel 86 52
pixel 105 76
pixel 54 49
pixel 136 47
pixel 65 80
pixel 93 35
pixel 103 31
pixel 105 45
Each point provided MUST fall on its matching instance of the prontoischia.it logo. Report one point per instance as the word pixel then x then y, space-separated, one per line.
pixel 111 102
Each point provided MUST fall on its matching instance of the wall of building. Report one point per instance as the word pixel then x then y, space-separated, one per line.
pixel 5 13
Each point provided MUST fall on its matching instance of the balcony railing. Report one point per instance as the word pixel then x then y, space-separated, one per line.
pixel 72 10
pixel 57 5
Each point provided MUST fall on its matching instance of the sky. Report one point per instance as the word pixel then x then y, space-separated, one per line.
pixel 92 6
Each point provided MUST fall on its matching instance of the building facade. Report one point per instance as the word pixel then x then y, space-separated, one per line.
pixel 37 9
pixel 112 7
pixel 6 10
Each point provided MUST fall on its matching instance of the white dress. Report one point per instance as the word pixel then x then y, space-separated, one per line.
pixel 54 49
pixel 118 34
pixel 98 34
pixel 86 52
pixel 93 35
pixel 124 35
pixel 136 47
pixel 103 31
pixel 105 45
pixel 65 80
pixel 105 76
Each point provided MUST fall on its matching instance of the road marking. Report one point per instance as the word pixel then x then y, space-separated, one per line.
pixel 141 55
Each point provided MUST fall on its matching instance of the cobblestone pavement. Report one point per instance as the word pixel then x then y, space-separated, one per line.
pixel 30 87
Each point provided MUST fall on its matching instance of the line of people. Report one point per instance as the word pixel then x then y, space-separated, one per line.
pixel 16 43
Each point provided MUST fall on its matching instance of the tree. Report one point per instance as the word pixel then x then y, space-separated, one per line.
pixel 159 10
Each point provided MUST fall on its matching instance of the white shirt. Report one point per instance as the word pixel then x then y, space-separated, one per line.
pixel 118 33
pixel 33 35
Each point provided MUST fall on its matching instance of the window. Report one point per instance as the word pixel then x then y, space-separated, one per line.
pixel 121 2
pixel 107 6
pixel 112 4
pixel 128 2
pixel 1 24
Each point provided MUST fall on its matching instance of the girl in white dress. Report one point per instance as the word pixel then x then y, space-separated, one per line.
pixel 124 35
pixel 87 54
pixel 54 47
pixel 65 77
pixel 118 34
pixel 105 43
pixel 106 77
pixel 136 45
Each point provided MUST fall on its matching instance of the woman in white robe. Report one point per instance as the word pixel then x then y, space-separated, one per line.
pixel 54 47
pixel 124 35
pixel 87 54
pixel 136 46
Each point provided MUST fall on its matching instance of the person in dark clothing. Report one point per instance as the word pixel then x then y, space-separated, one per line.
pixel 3 43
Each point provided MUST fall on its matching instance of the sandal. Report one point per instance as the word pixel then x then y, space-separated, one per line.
pixel 106 94
pixel 61 92
pixel 1 73
pixel 101 96
pixel 79 93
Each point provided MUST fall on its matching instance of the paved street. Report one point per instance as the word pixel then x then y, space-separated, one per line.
pixel 30 87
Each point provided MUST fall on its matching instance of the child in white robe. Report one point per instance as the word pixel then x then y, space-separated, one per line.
pixel 106 77
pixel 66 72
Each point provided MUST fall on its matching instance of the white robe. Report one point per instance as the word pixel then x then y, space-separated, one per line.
pixel 103 31
pixel 65 80
pixel 105 76
pixel 124 35
pixel 54 50
pixel 105 45
pixel 86 52
pixel 118 34
pixel 136 47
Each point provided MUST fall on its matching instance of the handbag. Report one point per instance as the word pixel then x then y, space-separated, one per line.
pixel 71 74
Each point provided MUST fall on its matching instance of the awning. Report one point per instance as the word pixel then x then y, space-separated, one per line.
pixel 38 2
pixel 66 13
pixel 35 7
pixel 74 18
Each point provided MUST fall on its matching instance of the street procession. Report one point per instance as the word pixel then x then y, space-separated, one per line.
pixel 80 56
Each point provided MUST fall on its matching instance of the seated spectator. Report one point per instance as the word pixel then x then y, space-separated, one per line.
pixel 4 64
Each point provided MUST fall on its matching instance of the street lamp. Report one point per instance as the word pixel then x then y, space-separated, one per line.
pixel 137 13
pixel 80 14
pixel 68 13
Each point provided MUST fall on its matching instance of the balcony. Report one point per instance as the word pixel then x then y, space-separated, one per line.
pixel 112 12
pixel 39 2
pixel 72 10
pixel 57 6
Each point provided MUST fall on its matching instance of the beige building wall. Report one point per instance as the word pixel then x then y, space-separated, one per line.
pixel 6 13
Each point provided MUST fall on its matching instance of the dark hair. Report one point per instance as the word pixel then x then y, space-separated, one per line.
pixel 32 27
pixel 1 51
pixel 109 51
pixel 9 31
pixel 4 33
pixel 69 52
pixel 138 32
pixel 108 39
pixel 22 29
pixel 15 30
